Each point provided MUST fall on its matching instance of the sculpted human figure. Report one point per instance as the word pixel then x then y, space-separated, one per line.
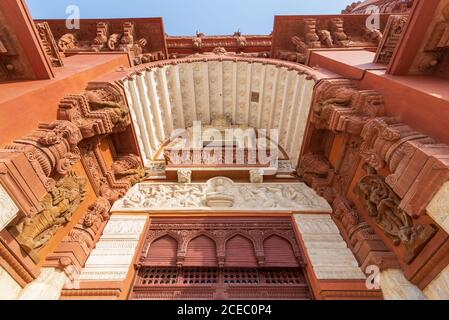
pixel 59 206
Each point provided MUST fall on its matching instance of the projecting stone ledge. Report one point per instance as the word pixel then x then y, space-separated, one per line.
pixel 222 194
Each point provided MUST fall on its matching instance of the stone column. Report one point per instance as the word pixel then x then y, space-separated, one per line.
pixel 47 286
pixel 395 286
pixel 9 288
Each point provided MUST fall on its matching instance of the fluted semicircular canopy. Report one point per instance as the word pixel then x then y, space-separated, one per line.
pixel 259 93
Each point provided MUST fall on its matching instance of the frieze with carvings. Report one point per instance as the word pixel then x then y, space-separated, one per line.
pixel 221 194
pixel 59 205
pixel 382 206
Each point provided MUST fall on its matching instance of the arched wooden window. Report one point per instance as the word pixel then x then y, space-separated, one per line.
pixel 279 253
pixel 163 252
pixel 201 252
pixel 240 253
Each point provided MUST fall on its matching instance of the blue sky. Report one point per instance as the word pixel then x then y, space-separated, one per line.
pixel 185 17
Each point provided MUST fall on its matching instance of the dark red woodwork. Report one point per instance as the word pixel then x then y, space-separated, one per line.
pixel 225 283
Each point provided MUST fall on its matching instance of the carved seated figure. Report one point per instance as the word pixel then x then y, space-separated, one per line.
pixel 219 193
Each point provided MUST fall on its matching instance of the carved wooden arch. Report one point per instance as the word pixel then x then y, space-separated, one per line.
pixel 242 233
pixel 196 234
pixel 290 238
pixel 159 235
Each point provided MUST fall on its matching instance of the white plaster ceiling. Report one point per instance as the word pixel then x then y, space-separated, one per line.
pixel 264 94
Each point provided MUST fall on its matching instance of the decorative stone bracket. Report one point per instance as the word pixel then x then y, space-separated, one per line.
pixel 339 106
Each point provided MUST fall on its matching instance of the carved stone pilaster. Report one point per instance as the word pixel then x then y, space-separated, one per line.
pixel 113 255
pixel 328 252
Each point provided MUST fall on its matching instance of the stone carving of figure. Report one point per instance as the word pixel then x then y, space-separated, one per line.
pixel 184 176
pixel 59 206
pixel 383 206
pixel 128 168
pixel 342 97
pixel 67 42
pixel 117 111
pixel 114 41
pixel 219 192
pixel 373 35
pixel 256 175
pixel 326 38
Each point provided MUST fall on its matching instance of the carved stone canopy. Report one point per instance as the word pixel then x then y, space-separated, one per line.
pixel 222 194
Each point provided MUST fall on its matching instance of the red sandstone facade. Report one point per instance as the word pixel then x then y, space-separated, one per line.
pixel 85 121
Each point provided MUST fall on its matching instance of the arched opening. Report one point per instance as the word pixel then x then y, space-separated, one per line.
pixel 240 252
pixel 201 252
pixel 162 252
pixel 279 253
